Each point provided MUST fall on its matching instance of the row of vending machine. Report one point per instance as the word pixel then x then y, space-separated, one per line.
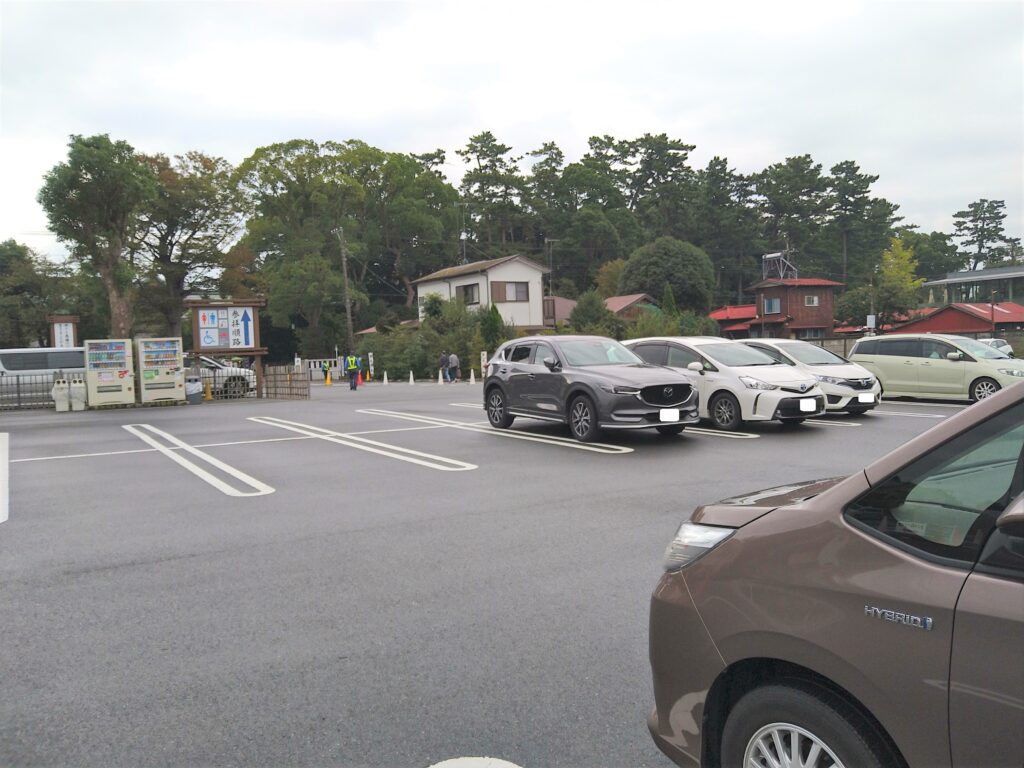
pixel 113 373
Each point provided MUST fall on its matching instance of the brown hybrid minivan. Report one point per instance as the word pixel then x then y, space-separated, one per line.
pixel 873 620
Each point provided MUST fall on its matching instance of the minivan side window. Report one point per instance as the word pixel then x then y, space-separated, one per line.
pixel 945 504
pixel 899 347
pixel 867 347
pixel 936 350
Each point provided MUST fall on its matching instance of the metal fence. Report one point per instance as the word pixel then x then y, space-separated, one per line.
pixel 285 382
pixel 26 391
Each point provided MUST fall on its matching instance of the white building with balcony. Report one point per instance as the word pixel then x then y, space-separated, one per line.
pixel 514 284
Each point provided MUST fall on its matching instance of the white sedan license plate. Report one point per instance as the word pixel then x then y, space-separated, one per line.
pixel 669 414
pixel 865 397
pixel 808 405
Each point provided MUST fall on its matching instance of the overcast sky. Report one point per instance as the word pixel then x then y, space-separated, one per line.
pixel 928 95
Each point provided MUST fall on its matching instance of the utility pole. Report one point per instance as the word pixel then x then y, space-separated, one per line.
pixel 340 232
pixel 551 267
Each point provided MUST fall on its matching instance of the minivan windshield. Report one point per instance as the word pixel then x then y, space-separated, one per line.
pixel 584 352
pixel 811 354
pixel 978 349
pixel 736 354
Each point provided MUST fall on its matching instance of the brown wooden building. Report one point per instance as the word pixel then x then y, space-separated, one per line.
pixel 794 308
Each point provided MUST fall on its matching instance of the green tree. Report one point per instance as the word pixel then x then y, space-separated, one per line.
pixel 24 295
pixel 93 202
pixel 668 261
pixel 893 294
pixel 492 189
pixel 792 202
pixel 847 199
pixel 980 230
pixel 936 253
pixel 668 302
pixel 609 275
pixel 591 316
pixel 186 227
pixel 492 327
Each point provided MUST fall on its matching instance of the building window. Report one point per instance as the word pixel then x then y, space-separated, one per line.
pixel 811 333
pixel 811 301
pixel 772 306
pixel 517 291
pixel 470 294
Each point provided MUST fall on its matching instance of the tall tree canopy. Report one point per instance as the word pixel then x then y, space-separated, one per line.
pixel 93 202
pixel 670 262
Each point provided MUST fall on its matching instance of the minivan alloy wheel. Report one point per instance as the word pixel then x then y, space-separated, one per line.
pixel 983 388
pixel 785 745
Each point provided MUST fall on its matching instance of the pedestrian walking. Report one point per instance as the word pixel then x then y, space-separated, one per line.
pixel 442 364
pixel 453 367
pixel 353 365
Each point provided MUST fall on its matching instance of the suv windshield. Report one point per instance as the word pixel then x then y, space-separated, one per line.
pixel 811 354
pixel 584 352
pixel 735 354
pixel 978 349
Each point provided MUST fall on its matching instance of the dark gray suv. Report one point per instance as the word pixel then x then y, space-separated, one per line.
pixel 588 382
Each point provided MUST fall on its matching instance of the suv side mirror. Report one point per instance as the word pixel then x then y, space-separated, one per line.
pixel 696 367
pixel 550 363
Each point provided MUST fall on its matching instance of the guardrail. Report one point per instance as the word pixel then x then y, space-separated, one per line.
pixel 26 391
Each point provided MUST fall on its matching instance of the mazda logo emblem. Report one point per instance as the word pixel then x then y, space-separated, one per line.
pixel 667 391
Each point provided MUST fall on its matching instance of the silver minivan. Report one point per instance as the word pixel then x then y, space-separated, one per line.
pixel 935 365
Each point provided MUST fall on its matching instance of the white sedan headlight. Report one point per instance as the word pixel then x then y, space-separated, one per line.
pixel 751 383
pixel 831 380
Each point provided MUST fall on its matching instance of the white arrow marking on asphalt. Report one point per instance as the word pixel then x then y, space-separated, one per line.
pixel 383 449
pixel 5 477
pixel 485 429
pixel 140 431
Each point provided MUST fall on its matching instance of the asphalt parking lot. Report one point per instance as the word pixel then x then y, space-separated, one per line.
pixel 371 578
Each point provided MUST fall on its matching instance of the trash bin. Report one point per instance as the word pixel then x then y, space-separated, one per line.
pixel 60 394
pixel 193 388
pixel 77 394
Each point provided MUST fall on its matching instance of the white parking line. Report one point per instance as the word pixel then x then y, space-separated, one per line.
pixel 912 415
pixel 478 406
pixel 372 446
pixel 5 477
pixel 902 403
pixel 141 430
pixel 563 442
pixel 827 423
pixel 720 433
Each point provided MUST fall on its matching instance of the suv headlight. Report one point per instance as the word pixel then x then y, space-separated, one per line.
pixel 751 383
pixel 620 389
pixel 1012 371
pixel 831 380
pixel 693 541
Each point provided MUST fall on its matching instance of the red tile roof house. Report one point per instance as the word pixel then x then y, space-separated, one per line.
pixel 975 318
pixel 794 308
pixel 734 320
pixel 629 307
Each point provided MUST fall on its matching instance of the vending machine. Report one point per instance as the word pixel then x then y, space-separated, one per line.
pixel 161 369
pixel 109 372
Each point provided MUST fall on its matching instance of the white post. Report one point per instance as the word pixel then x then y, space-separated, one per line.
pixel 385 377
pixel 5 477
pixel 472 375
pixel 440 380
pixel 411 380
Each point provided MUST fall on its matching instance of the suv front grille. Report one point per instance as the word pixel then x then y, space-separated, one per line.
pixel 666 395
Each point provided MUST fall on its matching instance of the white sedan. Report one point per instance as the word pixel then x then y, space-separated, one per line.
pixel 228 381
pixel 736 383
pixel 847 386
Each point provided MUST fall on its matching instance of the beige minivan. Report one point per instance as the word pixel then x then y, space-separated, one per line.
pixel 872 621
pixel 933 365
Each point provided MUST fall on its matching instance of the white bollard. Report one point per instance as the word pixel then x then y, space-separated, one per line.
pixel 411 380
pixel 385 378
pixel 5 498
pixel 440 378
pixel 472 376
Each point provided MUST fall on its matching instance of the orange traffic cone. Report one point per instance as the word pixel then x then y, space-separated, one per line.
pixel 359 379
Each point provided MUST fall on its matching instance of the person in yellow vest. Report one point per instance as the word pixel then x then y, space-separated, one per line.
pixel 352 367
